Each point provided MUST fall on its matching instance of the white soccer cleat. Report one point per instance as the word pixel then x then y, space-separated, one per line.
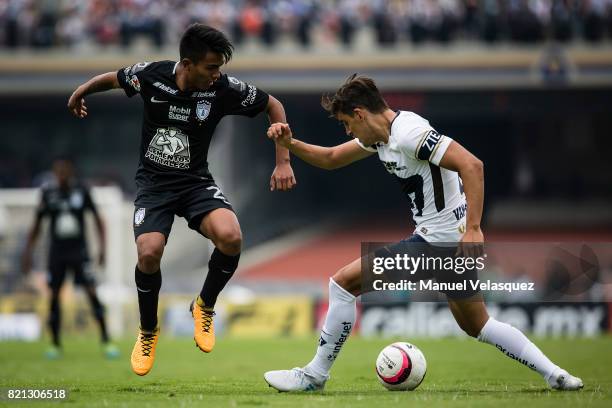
pixel 295 379
pixel 564 381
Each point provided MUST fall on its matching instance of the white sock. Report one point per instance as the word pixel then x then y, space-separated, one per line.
pixel 517 346
pixel 336 329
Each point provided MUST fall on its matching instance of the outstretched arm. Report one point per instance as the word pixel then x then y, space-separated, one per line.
pixel 327 158
pixel 100 83
pixel 471 171
pixel 282 177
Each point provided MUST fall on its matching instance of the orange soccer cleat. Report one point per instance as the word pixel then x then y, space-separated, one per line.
pixel 204 328
pixel 143 354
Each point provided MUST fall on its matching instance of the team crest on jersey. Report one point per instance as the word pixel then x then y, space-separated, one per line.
pixel 139 216
pixel 203 109
pixel 134 83
pixel 169 147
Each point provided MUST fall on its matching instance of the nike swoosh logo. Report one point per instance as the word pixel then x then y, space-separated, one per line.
pixel 143 291
pixel 157 100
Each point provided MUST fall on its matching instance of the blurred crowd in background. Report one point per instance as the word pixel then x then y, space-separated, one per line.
pixel 71 23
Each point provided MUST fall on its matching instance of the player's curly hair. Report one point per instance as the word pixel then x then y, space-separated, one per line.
pixel 357 91
pixel 198 39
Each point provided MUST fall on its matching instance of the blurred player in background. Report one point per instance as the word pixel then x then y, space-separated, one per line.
pixel 445 186
pixel 65 202
pixel 183 103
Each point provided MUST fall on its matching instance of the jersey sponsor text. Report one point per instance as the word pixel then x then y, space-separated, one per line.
pixel 165 88
pixel 179 113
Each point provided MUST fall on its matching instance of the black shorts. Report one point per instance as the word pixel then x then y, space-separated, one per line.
pixel 415 246
pixel 154 211
pixel 80 268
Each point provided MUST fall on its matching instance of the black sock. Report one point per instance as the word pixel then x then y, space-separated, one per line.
pixel 55 318
pixel 98 311
pixel 148 285
pixel 221 268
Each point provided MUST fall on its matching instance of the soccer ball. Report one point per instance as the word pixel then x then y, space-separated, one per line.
pixel 401 366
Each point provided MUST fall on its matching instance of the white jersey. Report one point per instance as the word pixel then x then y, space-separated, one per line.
pixel 436 196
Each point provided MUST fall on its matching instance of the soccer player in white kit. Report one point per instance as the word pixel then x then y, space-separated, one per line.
pixel 445 185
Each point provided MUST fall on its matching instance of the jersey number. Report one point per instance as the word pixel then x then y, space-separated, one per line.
pixel 218 194
pixel 414 185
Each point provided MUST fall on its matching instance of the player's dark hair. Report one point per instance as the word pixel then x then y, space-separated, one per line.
pixel 64 157
pixel 199 39
pixel 357 91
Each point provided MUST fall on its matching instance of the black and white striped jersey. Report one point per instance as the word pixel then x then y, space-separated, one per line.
pixel 436 196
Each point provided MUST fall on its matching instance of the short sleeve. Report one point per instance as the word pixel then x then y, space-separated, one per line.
pixel 130 78
pixel 418 140
pixel 430 146
pixel 366 148
pixel 244 99
pixel 440 149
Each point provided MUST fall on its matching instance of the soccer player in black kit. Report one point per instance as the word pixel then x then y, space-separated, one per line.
pixel 65 202
pixel 183 103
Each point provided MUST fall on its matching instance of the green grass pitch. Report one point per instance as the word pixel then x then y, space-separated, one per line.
pixel 461 373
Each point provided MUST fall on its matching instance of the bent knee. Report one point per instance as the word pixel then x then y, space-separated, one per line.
pixel 471 330
pixel 342 277
pixel 471 327
pixel 348 280
pixel 149 256
pixel 229 242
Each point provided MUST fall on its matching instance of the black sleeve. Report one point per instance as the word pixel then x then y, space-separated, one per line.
pixel 131 77
pixel 88 201
pixel 244 99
